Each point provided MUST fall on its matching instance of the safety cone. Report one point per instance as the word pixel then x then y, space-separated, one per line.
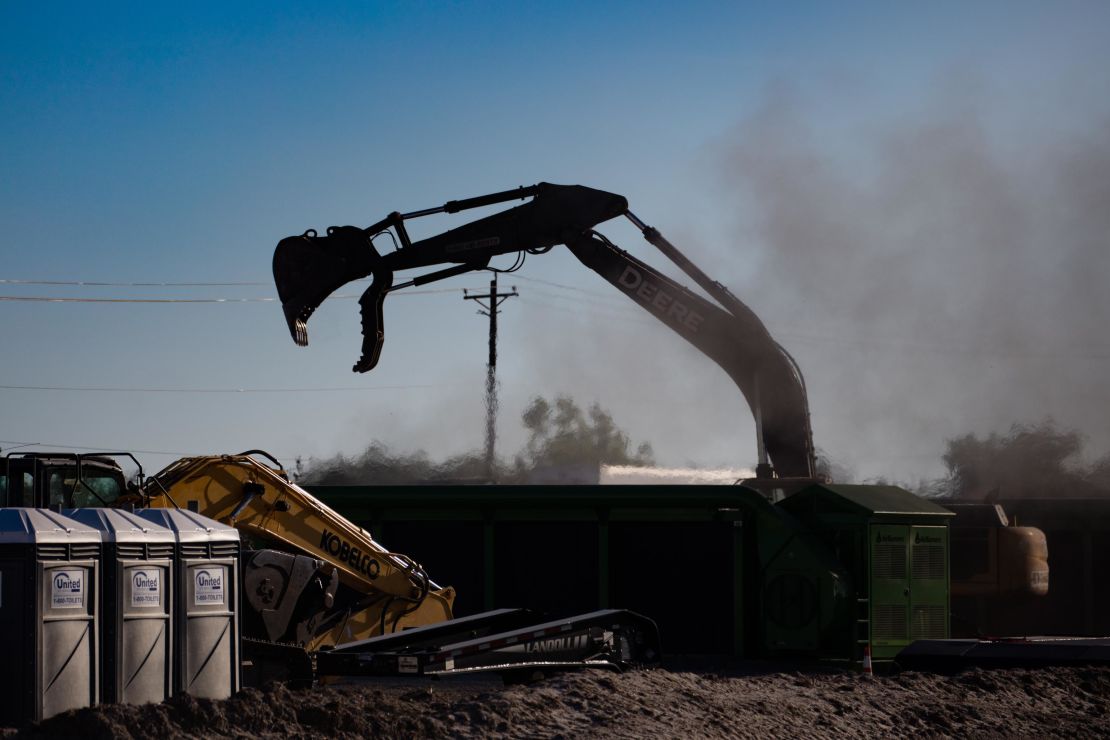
pixel 867 670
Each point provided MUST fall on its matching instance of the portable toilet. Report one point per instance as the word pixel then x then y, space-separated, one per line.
pixel 206 608
pixel 49 612
pixel 136 622
pixel 895 546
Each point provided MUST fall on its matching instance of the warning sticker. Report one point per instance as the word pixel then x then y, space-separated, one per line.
pixel 67 589
pixel 146 587
pixel 208 586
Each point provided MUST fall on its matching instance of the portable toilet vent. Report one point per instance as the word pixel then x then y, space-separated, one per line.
pixel 49 612
pixel 136 597
pixel 206 610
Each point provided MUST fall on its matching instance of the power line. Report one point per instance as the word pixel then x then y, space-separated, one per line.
pixel 587 314
pixel 97 283
pixel 284 459
pixel 22 443
pixel 856 344
pixel 249 283
pixel 106 389
pixel 620 304
pixel 57 299
pixel 837 342
pixel 60 299
pixel 563 286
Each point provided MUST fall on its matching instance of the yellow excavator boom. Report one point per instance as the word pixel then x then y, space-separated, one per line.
pixel 354 589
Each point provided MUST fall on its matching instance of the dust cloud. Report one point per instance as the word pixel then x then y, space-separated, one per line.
pixel 937 273
pixel 936 276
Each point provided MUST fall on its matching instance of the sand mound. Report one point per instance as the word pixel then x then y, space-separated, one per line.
pixel 1058 702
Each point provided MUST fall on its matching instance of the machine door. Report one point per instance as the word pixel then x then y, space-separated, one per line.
pixel 928 583
pixel 890 589
pixel 20 486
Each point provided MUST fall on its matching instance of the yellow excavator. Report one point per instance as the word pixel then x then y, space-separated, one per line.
pixel 320 597
pixel 311 577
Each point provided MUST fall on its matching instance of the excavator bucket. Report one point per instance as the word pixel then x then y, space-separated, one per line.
pixel 308 268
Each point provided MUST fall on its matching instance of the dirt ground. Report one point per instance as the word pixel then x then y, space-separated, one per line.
pixel 1072 702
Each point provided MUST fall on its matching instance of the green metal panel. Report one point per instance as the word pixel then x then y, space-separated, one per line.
pixel 928 583
pixel 889 567
pixel 792 604
pixel 488 563
pixel 909 586
pixel 855 503
pixel 603 564
pixel 888 500
pixel 770 577
pixel 738 604
pixel 518 503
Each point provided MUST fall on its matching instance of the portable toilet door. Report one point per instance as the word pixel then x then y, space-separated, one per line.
pixel 136 598
pixel 206 615
pixel 49 614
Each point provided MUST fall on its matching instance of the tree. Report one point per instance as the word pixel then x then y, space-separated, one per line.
pixel 1031 461
pixel 378 465
pixel 560 433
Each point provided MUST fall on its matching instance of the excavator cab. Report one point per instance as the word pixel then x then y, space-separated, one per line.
pixel 62 479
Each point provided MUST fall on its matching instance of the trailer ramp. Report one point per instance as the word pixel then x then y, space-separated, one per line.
pixel 509 642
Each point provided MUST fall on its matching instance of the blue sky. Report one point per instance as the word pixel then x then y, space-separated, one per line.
pixel 150 143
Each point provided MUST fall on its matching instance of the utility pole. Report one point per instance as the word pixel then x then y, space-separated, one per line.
pixel 494 299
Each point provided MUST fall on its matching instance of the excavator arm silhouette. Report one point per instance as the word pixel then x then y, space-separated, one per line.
pixel 310 267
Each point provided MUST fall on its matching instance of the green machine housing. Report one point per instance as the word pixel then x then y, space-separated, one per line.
pixel 895 547
pixel 721 569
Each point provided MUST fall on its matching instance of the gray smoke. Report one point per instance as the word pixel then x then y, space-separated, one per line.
pixel 933 278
